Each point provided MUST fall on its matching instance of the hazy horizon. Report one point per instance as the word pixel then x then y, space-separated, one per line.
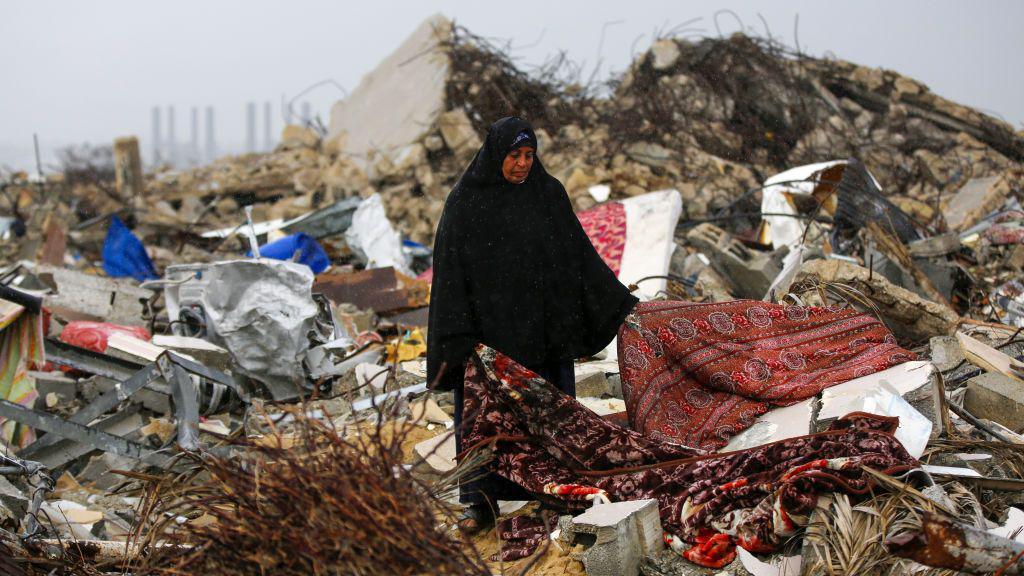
pixel 89 72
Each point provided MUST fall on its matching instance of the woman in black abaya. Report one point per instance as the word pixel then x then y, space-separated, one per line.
pixel 513 269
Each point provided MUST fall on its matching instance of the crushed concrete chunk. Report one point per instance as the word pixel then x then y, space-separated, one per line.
pixel 624 534
pixel 998 398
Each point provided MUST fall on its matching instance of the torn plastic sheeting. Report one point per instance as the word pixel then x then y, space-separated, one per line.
pixel 262 312
pixel 310 252
pixel 373 239
pixel 800 181
pixel 124 255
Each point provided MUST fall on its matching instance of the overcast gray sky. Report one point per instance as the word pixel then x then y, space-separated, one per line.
pixel 90 71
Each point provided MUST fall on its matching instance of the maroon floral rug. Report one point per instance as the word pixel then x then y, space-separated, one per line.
pixel 699 374
pixel 569 457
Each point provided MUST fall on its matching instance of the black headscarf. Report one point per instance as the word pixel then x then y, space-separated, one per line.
pixel 514 269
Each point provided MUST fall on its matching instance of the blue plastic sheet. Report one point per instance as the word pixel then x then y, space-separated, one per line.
pixel 124 255
pixel 310 252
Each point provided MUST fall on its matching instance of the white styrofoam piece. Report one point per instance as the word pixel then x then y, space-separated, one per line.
pixel 600 192
pixel 882 399
pixel 783 566
pixel 951 471
pixel 774 425
pixel 1014 522
pixel 903 378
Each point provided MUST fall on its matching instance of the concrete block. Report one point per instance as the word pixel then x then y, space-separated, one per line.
pixel 998 398
pixel 749 272
pixel 623 534
pixel 615 386
pixel 593 385
pixel 13 504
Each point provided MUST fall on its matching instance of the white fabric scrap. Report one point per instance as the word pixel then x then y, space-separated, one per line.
pixel 372 236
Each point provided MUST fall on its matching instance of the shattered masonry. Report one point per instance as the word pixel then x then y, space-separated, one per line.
pixel 164 392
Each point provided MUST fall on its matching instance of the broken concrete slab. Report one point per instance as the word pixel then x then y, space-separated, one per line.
pixel 13 504
pixel 623 534
pixel 998 398
pixel 85 296
pixel 397 101
pixel 458 132
pixel 593 385
pixel 945 352
pixel 438 452
pixel 908 315
pixel 98 470
pixel 977 198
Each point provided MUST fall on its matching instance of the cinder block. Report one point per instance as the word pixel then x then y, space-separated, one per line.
pixel 623 534
pixel 749 272
pixel 996 397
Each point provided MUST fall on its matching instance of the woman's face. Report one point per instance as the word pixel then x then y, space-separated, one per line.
pixel 516 166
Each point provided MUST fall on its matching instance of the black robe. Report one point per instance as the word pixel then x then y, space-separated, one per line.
pixel 514 269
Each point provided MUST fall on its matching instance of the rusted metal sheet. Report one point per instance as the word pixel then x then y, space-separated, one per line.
pixel 942 543
pixel 382 289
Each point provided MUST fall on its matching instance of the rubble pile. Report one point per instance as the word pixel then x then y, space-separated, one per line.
pixel 222 369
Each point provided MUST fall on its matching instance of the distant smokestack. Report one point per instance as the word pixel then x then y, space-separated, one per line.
pixel 157 137
pixel 250 127
pixel 194 152
pixel 172 140
pixel 268 143
pixel 211 140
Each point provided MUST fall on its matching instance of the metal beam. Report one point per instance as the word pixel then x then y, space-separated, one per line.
pixel 88 361
pixel 53 424
pixel 101 405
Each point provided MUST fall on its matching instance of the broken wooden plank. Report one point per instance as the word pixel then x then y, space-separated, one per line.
pixel 988 358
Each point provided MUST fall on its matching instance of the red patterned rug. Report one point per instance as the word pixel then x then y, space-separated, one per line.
pixel 569 457
pixel 605 225
pixel 698 374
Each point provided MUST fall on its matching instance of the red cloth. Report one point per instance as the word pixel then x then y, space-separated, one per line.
pixel 698 374
pixel 605 225
pixel 93 335
pixel 569 457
